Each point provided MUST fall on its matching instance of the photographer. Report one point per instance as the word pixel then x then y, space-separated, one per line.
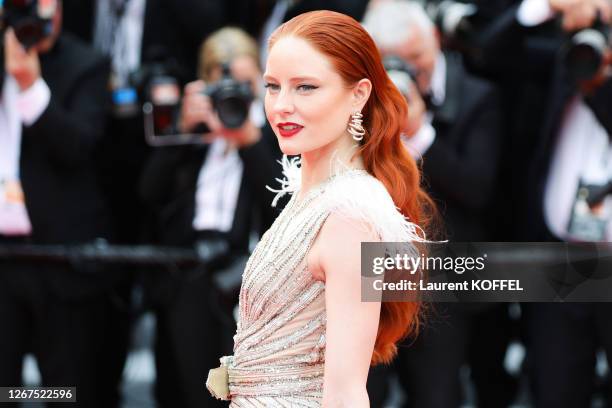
pixel 52 109
pixel 205 194
pixel 138 36
pixel 557 54
pixel 579 92
pixel 570 198
pixel 457 142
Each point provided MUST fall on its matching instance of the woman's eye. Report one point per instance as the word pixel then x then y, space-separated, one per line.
pixel 272 87
pixel 306 87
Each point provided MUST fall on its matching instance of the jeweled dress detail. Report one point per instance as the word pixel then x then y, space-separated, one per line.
pixel 279 347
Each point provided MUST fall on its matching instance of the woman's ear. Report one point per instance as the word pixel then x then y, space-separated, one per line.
pixel 361 93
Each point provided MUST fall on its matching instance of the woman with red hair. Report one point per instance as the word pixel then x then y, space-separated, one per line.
pixel 305 338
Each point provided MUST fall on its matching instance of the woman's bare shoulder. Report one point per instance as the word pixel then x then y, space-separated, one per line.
pixel 338 244
pixel 360 209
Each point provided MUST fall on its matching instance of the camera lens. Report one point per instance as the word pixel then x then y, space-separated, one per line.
pixel 232 100
pixel 233 111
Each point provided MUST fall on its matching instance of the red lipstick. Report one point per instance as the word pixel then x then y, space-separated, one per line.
pixel 288 129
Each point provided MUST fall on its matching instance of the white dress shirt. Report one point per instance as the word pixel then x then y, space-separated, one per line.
pixel 219 181
pixel 16 109
pixel 582 151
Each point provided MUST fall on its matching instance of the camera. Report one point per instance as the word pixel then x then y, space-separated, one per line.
pixel 157 83
pixel 130 90
pixel 30 19
pixel 583 53
pixel 401 73
pixel 231 99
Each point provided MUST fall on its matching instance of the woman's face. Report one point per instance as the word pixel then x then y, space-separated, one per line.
pixel 307 103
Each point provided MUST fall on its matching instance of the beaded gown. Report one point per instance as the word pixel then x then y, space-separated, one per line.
pixel 279 347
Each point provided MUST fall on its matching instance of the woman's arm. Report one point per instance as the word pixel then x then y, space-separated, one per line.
pixel 352 325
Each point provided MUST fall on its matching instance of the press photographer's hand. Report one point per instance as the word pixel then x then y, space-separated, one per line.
pixel 22 65
pixel 579 14
pixel 196 108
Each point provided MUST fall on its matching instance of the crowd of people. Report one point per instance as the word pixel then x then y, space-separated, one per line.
pixel 509 120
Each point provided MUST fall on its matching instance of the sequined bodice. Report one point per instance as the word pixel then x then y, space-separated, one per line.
pixel 280 343
pixel 279 347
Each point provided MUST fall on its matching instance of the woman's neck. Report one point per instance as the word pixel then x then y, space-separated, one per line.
pixel 319 165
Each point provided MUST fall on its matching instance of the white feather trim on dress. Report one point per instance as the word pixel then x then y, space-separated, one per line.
pixel 357 195
pixel 292 180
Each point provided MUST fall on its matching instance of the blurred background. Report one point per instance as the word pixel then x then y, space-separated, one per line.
pixel 134 159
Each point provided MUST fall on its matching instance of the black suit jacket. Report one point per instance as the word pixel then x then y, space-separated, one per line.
pixel 58 152
pixel 169 185
pixel 461 165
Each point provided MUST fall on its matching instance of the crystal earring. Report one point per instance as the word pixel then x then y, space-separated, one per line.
pixel 355 128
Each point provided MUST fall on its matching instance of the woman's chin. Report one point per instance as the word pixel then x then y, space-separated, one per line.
pixel 289 149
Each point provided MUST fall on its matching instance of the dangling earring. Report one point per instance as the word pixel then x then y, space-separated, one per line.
pixel 355 128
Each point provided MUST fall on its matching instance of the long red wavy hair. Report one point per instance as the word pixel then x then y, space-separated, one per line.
pixel 354 54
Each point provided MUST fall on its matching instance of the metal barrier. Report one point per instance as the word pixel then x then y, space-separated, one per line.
pixel 101 251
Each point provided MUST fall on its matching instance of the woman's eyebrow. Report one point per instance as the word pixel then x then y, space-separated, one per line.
pixel 303 78
pixel 268 77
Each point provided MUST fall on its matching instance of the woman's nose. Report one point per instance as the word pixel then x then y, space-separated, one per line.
pixel 284 103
